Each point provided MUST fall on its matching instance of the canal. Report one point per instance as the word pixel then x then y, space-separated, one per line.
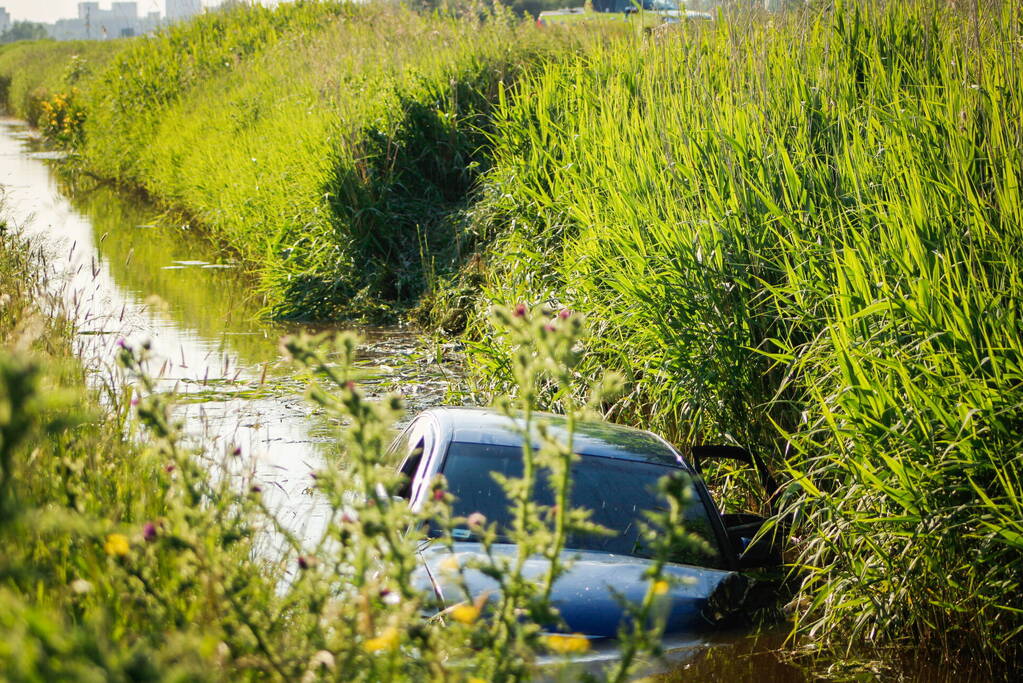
pixel 122 269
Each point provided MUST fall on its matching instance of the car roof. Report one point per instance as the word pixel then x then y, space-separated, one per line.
pixel 591 438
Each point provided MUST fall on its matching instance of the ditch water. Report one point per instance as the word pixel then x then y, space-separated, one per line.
pixel 123 271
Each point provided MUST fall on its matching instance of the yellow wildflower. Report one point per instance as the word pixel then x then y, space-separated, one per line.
pixel 464 613
pixel 567 644
pixel 387 640
pixel 661 587
pixel 117 544
pixel 449 564
pixel 476 679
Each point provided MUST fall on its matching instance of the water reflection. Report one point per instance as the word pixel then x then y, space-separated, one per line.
pixel 123 271
pixel 197 287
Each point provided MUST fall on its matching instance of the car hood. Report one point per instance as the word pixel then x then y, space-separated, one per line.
pixel 589 594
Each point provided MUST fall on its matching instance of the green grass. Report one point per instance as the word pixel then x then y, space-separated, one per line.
pixel 801 233
pixel 331 146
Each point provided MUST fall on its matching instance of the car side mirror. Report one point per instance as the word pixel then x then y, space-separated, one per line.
pixel 755 547
pixel 702 453
pixel 762 553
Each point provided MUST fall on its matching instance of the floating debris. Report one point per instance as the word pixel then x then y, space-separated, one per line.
pixel 191 263
pixel 51 155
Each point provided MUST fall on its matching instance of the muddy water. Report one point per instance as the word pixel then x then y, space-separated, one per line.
pixel 124 272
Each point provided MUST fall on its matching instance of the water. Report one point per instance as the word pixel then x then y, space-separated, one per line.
pixel 125 272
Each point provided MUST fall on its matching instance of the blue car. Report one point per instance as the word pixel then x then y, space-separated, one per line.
pixel 615 478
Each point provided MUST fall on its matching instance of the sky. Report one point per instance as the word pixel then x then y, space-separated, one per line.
pixel 48 11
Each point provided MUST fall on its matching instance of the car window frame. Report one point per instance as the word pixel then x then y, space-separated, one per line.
pixel 700 487
pixel 427 438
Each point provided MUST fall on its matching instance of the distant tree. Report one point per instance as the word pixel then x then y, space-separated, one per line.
pixel 24 30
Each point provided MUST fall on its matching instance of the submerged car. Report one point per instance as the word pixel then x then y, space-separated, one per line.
pixel 616 478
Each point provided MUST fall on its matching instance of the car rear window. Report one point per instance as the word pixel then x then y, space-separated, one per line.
pixel 617 492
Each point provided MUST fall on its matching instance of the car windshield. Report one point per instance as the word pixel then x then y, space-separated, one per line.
pixel 617 492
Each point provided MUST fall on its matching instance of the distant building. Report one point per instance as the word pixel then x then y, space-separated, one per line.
pixel 122 20
pixel 87 10
pixel 182 9
pixel 5 20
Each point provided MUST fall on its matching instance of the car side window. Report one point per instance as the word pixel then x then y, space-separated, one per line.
pixel 412 445
pixel 409 468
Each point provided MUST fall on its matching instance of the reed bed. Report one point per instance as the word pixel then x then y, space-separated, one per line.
pixel 801 233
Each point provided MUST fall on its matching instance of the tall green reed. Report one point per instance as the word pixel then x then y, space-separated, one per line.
pixel 799 233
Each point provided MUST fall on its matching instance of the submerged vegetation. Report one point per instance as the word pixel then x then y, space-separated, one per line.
pixel 798 232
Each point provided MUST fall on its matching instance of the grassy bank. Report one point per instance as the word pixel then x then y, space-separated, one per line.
pixel 329 145
pixel 34 72
pixel 801 233
pixel 68 480
pixel 82 597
